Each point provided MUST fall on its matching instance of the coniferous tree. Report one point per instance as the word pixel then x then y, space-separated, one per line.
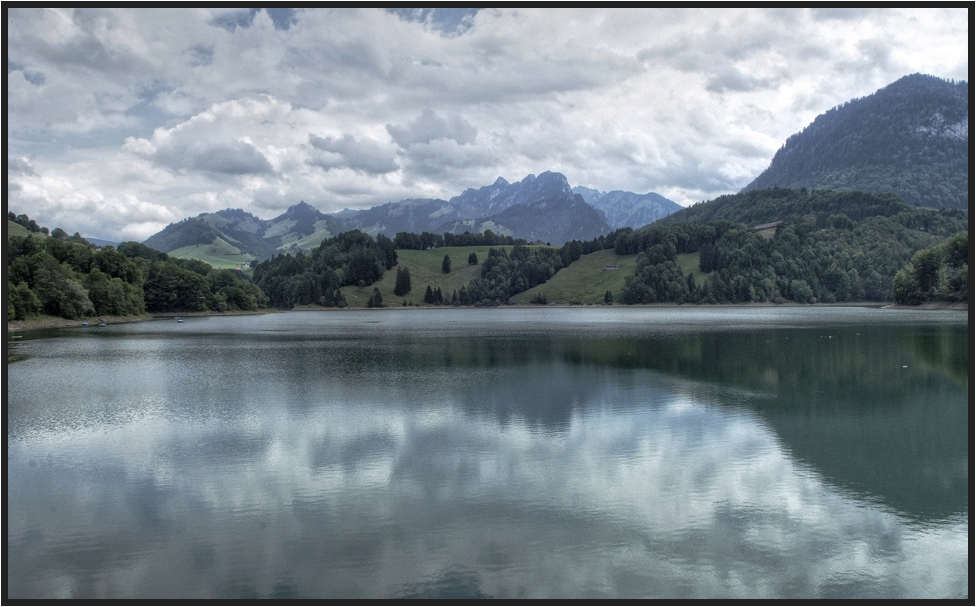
pixel 402 282
pixel 429 296
pixel 446 265
pixel 473 258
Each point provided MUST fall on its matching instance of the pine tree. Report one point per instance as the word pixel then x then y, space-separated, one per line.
pixel 402 282
pixel 473 258
pixel 429 296
pixel 446 265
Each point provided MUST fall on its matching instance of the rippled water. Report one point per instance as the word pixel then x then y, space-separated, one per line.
pixel 510 453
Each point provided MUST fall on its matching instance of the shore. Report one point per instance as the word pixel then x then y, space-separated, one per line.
pixel 845 304
pixel 55 322
pixel 51 322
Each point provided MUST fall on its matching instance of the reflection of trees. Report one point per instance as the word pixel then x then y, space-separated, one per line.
pixel 854 402
pixel 944 350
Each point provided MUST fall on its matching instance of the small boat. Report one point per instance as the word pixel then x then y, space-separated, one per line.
pixel 179 320
pixel 177 317
pixel 84 324
pixel 102 325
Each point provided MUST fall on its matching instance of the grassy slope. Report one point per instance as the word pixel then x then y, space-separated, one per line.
pixel 585 280
pixel 15 229
pixel 425 269
pixel 220 254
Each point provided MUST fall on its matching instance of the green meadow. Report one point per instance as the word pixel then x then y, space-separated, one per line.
pixel 425 269
pixel 220 254
pixel 15 229
pixel 585 281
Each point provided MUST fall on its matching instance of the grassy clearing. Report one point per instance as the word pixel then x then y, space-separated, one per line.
pixel 425 269
pixel 585 280
pixel 688 264
pixel 220 254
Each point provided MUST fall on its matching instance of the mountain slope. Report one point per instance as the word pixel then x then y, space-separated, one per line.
pixel 542 207
pixel 910 137
pixel 415 215
pixel 627 209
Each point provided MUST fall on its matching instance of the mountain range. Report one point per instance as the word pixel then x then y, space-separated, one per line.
pixel 910 137
pixel 542 207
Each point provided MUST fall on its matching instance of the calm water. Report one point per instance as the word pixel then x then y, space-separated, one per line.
pixel 511 453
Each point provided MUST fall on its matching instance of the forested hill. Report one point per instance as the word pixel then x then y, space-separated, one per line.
pixel 820 246
pixel 783 204
pixel 910 137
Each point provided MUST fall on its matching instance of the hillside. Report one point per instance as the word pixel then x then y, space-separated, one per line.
pixel 910 137
pixel 585 281
pixel 425 269
pixel 219 254
pixel 821 246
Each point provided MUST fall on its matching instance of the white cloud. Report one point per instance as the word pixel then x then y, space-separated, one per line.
pixel 363 155
pixel 689 103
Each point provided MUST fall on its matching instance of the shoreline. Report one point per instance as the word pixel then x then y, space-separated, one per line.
pixel 958 306
pixel 56 322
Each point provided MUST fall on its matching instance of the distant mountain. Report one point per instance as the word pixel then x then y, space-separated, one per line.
pixel 499 196
pixel 412 215
pixel 537 208
pixel 910 137
pixel 301 227
pixel 542 207
pixel 624 209
pixel 98 242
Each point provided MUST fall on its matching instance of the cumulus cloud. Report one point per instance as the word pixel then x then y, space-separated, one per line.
pixel 427 102
pixel 429 126
pixel 230 157
pixel 443 156
pixel 364 155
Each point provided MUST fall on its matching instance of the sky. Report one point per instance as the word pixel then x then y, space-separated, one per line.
pixel 121 121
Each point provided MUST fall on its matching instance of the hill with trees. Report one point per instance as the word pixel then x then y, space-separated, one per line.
pixel 780 245
pixel 910 137
pixel 67 277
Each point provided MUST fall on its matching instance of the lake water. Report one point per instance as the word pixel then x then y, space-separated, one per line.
pixel 510 453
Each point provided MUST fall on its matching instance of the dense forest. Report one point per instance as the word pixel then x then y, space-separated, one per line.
pixel 824 246
pixel 64 276
pixel 350 258
pixel 939 273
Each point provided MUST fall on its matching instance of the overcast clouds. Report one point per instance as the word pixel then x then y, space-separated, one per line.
pixel 121 121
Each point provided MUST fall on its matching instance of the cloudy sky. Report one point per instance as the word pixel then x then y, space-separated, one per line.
pixel 122 121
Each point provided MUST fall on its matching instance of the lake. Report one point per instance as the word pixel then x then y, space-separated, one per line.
pixel 689 452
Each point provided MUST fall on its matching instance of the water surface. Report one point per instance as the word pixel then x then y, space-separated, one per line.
pixel 511 453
